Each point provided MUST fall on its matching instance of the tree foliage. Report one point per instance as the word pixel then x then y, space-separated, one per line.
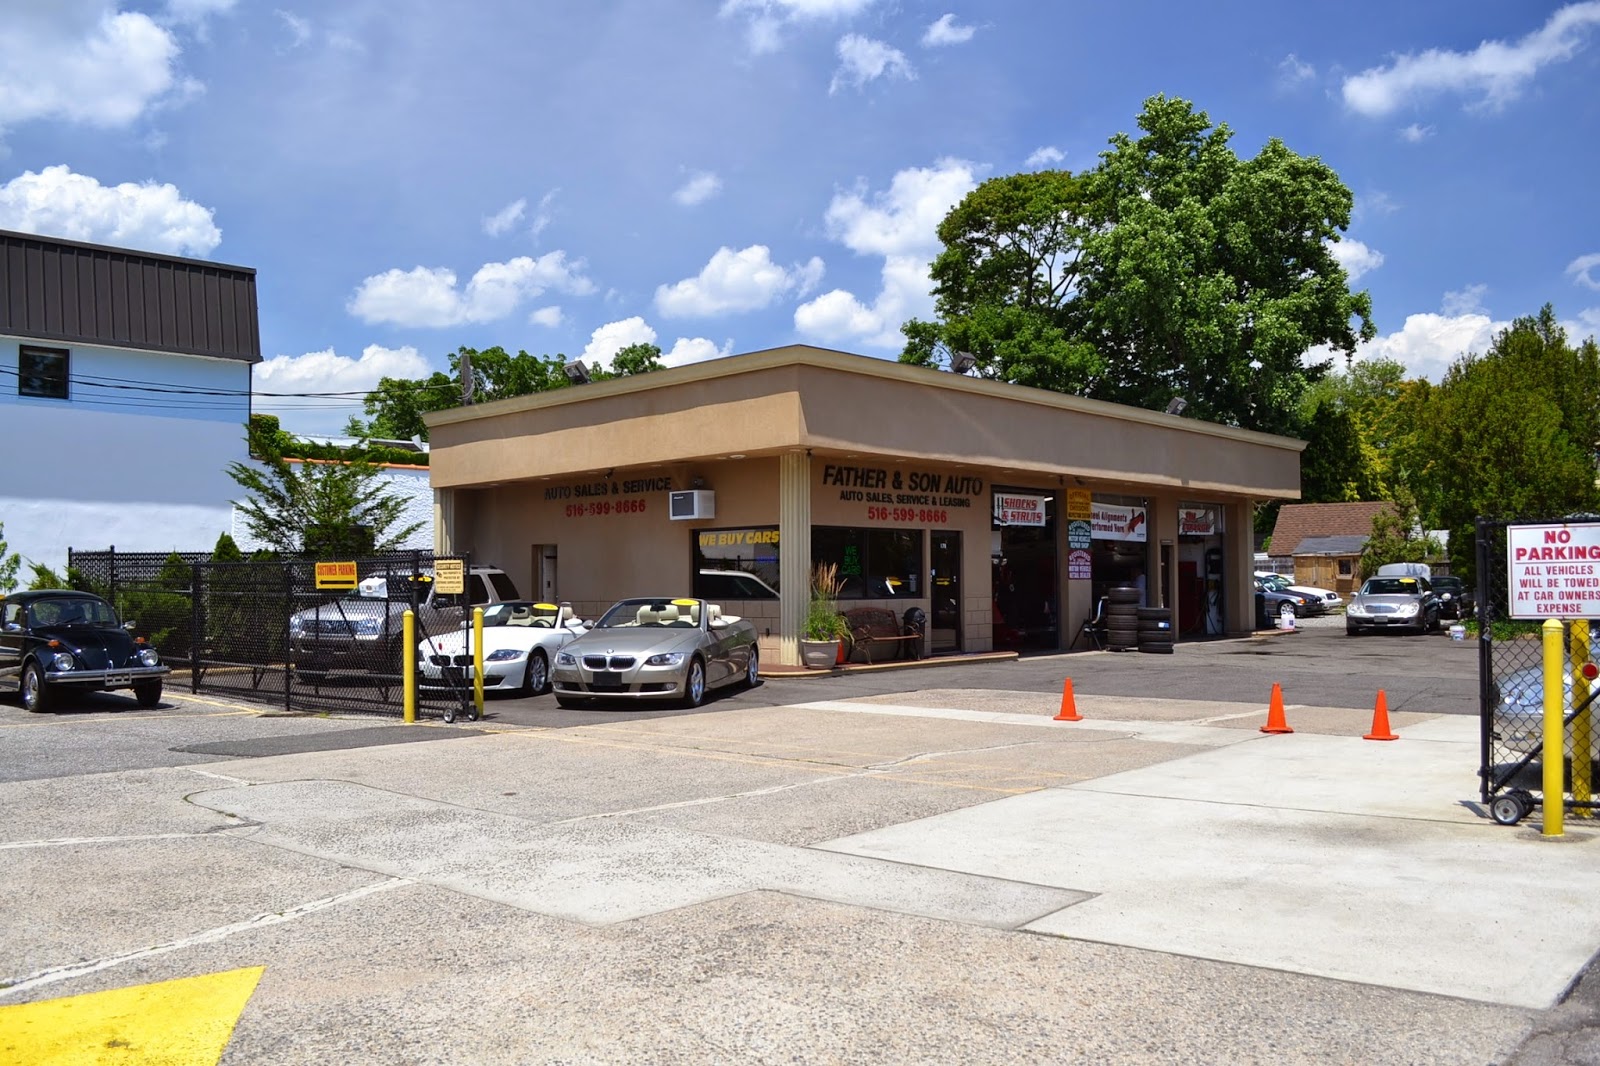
pixel 395 409
pixel 1173 268
pixel 10 563
pixel 1397 537
pixel 319 507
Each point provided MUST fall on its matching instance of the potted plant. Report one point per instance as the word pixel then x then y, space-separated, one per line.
pixel 825 628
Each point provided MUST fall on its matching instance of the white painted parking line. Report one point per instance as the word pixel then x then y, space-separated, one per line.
pixel 1160 732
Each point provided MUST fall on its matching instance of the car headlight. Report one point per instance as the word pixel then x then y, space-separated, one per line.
pixel 1356 609
pixel 63 660
pixel 1444 596
pixel 148 657
pixel 668 658
pixel 368 627
pixel 566 658
pixel 297 626
pixel 1406 610
pixel 501 655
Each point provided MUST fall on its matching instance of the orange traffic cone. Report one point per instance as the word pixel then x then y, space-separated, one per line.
pixel 1275 720
pixel 1069 710
pixel 1380 721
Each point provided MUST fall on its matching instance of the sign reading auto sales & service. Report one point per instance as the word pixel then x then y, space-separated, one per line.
pixel 1554 570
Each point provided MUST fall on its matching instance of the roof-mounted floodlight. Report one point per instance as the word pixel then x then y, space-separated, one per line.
pixel 577 373
pixel 1177 405
pixel 961 362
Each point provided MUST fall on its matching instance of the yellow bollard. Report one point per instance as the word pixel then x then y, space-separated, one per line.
pixel 1554 800
pixel 477 660
pixel 408 667
pixel 1582 730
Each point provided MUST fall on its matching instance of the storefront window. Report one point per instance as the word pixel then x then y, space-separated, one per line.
pixel 1120 528
pixel 1023 568
pixel 874 564
pixel 736 564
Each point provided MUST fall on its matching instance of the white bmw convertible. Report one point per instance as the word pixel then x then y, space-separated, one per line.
pixel 520 639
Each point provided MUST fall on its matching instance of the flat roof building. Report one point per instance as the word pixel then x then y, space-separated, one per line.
pixel 1002 511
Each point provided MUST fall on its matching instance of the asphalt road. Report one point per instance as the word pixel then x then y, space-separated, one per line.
pixel 625 885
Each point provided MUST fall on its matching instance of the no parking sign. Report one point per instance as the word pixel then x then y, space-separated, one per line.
pixel 1553 570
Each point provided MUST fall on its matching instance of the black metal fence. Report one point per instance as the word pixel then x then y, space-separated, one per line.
pixel 1511 690
pixel 262 630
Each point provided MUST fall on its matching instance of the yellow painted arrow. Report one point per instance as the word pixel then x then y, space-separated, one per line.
pixel 174 1023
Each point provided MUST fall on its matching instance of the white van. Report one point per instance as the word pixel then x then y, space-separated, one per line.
pixel 1404 570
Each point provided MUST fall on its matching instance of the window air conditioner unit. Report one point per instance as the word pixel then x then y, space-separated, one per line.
pixel 695 503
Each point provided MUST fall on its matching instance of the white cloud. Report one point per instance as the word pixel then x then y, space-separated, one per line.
pixel 83 62
pixel 1046 156
pixel 1356 258
pixel 428 297
pixel 945 31
pixel 746 280
pixel 1294 72
pixel 299 28
pixel 904 220
pixel 196 10
pixel 838 317
pixel 502 220
pixel 152 217
pixel 701 186
pixel 609 339
pixel 546 316
pixel 1494 71
pixel 542 215
pixel 694 350
pixel 862 59
pixel 768 18
pixel 1466 301
pixel 1415 134
pixel 1428 343
pixel 326 371
pixel 1579 270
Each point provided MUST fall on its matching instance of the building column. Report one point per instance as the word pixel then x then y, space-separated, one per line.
pixel 1239 543
pixel 794 554
pixel 444 521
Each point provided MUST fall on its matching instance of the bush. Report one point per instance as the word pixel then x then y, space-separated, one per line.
pixel 823 620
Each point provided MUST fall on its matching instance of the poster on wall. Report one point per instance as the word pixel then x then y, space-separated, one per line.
pixel 1111 522
pixel 1080 502
pixel 1198 521
pixel 1012 510
pixel 1079 566
pixel 1079 534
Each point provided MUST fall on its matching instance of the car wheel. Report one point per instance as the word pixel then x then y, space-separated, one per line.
pixel 1285 610
pixel 694 683
pixel 148 694
pixel 536 680
pixel 752 669
pixel 36 696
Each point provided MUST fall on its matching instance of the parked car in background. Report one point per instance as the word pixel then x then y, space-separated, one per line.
pixel 58 641
pixel 734 585
pixel 520 641
pixel 1392 603
pixel 1318 601
pixel 653 649
pixel 1456 600
pixel 1281 604
pixel 361 631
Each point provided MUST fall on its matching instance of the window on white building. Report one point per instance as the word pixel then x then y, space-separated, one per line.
pixel 42 372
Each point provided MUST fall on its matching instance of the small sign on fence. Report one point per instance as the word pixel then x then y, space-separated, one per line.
pixel 449 577
pixel 336 575
pixel 1554 570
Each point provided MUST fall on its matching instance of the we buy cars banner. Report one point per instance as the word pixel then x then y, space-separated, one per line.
pixel 1554 570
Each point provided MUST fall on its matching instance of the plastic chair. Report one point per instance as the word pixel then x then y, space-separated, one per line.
pixel 1094 627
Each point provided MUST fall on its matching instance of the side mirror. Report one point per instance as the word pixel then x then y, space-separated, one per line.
pixel 13 627
pixel 129 626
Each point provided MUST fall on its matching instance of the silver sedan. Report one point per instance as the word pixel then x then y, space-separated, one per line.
pixel 654 649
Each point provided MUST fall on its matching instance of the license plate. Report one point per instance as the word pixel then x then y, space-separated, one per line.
pixel 113 680
pixel 607 679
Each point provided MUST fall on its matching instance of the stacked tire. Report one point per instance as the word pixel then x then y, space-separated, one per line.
pixel 1122 618
pixel 1155 630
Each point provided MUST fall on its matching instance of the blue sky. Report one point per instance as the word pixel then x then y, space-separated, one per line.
pixel 722 176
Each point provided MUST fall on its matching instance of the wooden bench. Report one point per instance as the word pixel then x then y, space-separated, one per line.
pixel 876 635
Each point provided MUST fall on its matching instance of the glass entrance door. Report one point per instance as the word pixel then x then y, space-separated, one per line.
pixel 944 589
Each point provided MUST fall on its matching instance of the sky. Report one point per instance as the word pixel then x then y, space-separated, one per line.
pixel 725 176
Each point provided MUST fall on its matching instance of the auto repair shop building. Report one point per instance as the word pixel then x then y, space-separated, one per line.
pixel 1002 511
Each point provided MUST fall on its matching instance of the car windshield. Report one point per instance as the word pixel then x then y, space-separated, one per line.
pixel 1447 584
pixel 656 614
pixel 1275 583
pixel 1391 586
pixel 72 611
pixel 540 615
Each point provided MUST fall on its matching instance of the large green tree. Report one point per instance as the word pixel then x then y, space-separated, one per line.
pixel 1512 433
pixel 1173 268
pixel 395 409
pixel 322 508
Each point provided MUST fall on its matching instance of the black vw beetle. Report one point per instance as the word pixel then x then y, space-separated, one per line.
pixel 58 640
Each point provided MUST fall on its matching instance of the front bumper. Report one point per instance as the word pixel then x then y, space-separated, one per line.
pixel 507 673
pixel 639 683
pixel 107 679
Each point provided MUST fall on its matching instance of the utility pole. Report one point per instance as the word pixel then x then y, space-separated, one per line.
pixel 466 379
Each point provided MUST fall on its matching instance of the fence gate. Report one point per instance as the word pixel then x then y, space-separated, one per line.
pixel 1511 678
